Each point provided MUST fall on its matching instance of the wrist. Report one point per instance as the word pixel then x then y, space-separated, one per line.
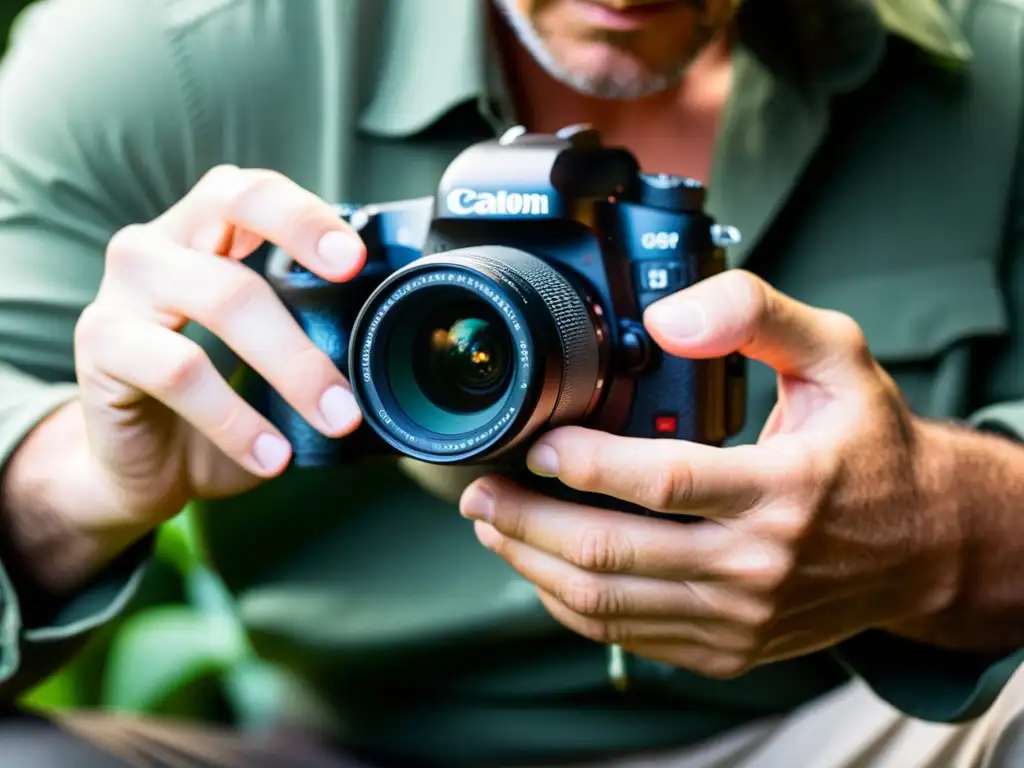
pixel 971 491
pixel 60 521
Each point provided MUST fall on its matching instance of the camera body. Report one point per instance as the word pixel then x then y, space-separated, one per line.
pixel 511 302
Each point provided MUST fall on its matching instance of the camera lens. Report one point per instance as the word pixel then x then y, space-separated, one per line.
pixel 448 362
pixel 462 355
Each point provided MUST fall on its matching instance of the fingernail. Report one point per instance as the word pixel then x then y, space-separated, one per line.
pixel 339 408
pixel 680 320
pixel 478 504
pixel 339 251
pixel 271 452
pixel 543 460
pixel 487 535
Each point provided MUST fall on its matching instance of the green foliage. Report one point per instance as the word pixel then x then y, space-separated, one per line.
pixel 179 650
pixel 163 650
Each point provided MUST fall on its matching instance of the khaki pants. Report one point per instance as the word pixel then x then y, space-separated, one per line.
pixel 849 728
pixel 852 728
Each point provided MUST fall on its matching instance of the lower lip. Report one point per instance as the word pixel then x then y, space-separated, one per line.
pixel 627 19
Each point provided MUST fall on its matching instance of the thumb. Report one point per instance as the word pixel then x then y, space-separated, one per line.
pixel 737 311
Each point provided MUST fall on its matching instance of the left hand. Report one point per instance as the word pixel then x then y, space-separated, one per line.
pixel 821 530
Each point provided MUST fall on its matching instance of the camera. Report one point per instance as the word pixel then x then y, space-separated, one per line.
pixel 511 302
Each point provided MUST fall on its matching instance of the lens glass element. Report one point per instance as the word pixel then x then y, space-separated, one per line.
pixel 462 364
pixel 450 362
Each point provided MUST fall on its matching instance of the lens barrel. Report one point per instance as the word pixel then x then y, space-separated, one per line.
pixel 460 356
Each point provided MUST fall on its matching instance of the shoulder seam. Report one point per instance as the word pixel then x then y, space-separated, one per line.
pixel 184 13
pixel 178 25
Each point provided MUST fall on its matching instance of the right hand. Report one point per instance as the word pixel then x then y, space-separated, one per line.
pixel 162 424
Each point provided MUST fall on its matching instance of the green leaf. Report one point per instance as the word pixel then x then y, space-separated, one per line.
pixel 176 544
pixel 161 651
pixel 59 691
pixel 255 692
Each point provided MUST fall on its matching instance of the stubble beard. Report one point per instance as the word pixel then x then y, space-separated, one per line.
pixel 631 79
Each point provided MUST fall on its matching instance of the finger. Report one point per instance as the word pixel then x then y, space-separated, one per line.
pixel 234 303
pixel 597 595
pixel 604 541
pixel 172 369
pixel 631 632
pixel 661 475
pixel 739 312
pixel 271 207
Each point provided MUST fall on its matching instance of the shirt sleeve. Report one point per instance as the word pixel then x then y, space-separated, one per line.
pixel 94 119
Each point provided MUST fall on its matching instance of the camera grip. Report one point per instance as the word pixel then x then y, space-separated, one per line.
pixel 326 312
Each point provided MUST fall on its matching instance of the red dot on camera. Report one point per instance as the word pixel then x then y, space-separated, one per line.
pixel 665 425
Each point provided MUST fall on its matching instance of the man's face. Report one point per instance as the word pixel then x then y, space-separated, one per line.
pixel 618 49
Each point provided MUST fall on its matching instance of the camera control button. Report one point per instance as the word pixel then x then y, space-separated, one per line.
pixel 657 275
pixel 512 135
pixel 634 347
pixel 581 136
pixel 677 194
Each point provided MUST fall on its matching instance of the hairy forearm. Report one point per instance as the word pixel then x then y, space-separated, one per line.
pixel 976 480
pixel 59 524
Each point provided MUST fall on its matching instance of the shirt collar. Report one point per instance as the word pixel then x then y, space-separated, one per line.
pixel 440 55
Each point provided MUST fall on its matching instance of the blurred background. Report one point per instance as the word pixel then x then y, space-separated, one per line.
pixel 178 650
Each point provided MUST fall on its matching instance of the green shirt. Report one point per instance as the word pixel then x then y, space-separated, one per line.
pixel 869 156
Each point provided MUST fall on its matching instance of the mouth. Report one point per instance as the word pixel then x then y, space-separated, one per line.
pixel 626 15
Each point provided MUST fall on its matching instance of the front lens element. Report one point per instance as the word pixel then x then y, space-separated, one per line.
pixel 462 357
pixel 449 361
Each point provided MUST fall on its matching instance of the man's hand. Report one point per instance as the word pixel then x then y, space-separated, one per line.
pixel 825 528
pixel 155 423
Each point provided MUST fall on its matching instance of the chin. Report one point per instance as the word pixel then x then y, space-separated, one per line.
pixel 612 71
pixel 608 68
pixel 605 62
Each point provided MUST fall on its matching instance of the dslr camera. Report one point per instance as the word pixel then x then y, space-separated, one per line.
pixel 509 303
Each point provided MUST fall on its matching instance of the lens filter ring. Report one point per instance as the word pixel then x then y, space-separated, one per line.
pixel 459 356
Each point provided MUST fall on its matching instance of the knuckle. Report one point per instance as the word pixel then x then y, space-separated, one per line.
pixel 91 328
pixel 602 550
pixel 750 290
pixel 584 470
pixel 219 174
pixel 258 182
pixel 306 217
pixel 123 249
pixel 185 367
pixel 788 524
pixel 604 632
pixel 743 644
pixel 790 471
pixel 306 372
pixel 779 572
pixel 234 430
pixel 93 340
pixel 848 337
pixel 670 488
pixel 510 519
pixel 298 212
pixel 233 295
pixel 755 616
pixel 589 596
